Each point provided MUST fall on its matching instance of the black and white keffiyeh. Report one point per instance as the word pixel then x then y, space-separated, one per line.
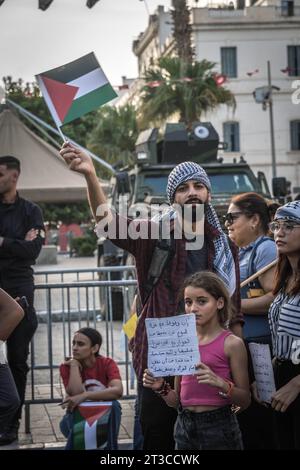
pixel 290 211
pixel 223 261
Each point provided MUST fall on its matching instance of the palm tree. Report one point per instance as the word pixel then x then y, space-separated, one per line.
pixel 182 30
pixel 114 136
pixel 189 89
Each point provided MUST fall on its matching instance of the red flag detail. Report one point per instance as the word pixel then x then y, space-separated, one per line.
pixel 61 94
pixel 92 413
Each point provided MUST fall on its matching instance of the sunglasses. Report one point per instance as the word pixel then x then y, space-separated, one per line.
pixel 230 217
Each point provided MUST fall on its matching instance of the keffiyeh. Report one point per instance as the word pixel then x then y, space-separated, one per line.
pixel 290 211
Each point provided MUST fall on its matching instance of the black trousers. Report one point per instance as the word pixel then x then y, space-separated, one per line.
pixel 9 399
pixel 287 423
pixel 157 421
pixel 18 344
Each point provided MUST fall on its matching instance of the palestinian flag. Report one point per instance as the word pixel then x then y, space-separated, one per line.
pixel 91 425
pixel 74 89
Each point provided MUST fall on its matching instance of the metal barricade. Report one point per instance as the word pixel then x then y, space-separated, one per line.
pixel 63 306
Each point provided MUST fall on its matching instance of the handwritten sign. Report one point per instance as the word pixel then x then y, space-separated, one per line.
pixel 263 371
pixel 172 345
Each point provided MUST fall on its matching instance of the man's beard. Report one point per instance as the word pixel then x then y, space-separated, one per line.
pixel 191 210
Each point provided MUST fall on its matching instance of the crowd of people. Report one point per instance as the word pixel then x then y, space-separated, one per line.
pixel 217 407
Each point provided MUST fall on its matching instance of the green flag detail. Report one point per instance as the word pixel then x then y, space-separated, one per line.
pixel 74 89
pixel 91 425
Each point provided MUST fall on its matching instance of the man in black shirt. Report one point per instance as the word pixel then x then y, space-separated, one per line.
pixel 21 238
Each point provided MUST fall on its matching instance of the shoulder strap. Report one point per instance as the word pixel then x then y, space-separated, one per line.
pixel 253 254
pixel 163 253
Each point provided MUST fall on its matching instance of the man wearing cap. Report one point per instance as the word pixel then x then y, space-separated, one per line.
pixel 21 238
pixel 188 188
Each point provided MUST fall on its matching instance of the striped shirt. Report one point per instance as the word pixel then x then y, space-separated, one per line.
pixel 284 319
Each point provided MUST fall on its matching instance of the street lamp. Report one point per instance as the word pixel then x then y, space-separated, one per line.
pixel 264 95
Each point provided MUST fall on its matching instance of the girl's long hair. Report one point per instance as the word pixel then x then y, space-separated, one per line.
pixel 283 273
pixel 212 284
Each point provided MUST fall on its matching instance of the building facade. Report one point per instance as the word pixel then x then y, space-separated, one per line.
pixel 241 38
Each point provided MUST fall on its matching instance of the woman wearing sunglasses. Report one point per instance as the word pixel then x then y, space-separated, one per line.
pixel 284 317
pixel 247 222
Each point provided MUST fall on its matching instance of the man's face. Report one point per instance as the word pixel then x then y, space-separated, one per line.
pixel 8 179
pixel 191 192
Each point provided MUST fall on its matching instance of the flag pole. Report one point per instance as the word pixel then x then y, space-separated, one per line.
pixel 61 134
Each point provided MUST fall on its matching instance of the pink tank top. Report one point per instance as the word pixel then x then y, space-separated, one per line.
pixel 212 355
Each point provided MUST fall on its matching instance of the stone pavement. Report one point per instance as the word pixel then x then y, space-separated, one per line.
pixel 44 427
pixel 45 418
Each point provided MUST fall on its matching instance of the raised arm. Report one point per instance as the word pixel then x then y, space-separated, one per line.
pixel 81 162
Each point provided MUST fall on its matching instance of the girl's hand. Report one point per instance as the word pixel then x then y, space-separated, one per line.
pixel 149 381
pixel 72 402
pixel 283 397
pixel 73 363
pixel 205 375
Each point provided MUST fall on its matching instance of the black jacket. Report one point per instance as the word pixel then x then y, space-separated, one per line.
pixel 16 254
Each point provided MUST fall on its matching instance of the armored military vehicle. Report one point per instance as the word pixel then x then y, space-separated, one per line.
pixel 144 184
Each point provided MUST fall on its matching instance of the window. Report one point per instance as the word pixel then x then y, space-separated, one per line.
pixel 293 60
pixel 230 183
pixel 295 135
pixel 287 7
pixel 229 61
pixel 231 135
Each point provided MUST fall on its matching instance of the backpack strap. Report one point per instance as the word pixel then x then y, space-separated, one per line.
pixel 162 255
pixel 253 254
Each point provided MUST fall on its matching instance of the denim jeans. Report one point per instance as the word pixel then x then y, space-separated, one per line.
pixel 66 427
pixel 210 430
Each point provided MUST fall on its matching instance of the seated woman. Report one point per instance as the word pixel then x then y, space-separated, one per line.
pixel 87 376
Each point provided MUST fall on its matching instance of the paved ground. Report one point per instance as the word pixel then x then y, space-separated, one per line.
pixel 45 432
pixel 45 418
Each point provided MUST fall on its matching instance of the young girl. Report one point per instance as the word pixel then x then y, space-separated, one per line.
pixel 284 317
pixel 204 400
pixel 89 376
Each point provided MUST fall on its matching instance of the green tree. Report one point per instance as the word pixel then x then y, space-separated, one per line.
pixel 114 136
pixel 189 89
pixel 29 97
pixel 70 213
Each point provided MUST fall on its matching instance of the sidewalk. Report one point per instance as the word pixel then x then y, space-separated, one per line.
pixel 44 418
pixel 44 427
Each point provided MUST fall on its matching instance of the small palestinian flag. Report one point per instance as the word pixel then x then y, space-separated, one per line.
pixel 91 425
pixel 74 89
